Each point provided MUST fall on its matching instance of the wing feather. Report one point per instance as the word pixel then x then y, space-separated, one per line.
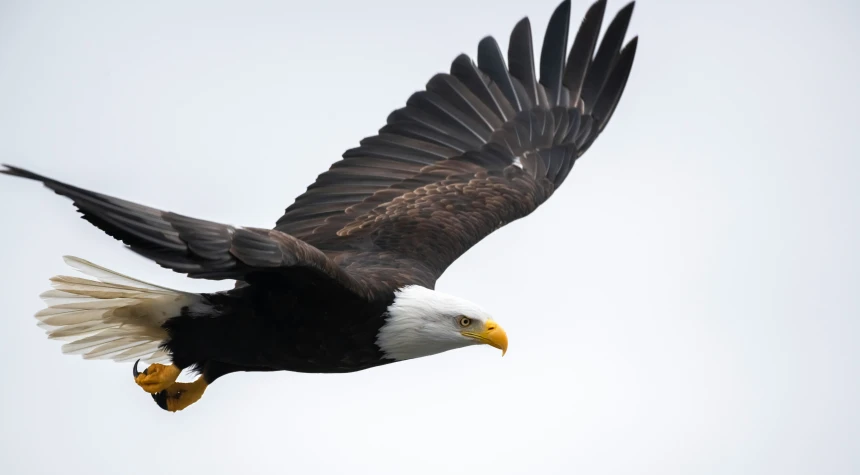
pixel 521 60
pixel 492 63
pixel 199 248
pixel 607 55
pixel 582 50
pixel 552 55
pixel 461 97
pixel 486 91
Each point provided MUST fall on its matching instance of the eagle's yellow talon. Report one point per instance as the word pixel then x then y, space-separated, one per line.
pixel 156 378
pixel 180 395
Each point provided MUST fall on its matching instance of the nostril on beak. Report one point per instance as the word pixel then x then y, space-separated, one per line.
pixel 491 326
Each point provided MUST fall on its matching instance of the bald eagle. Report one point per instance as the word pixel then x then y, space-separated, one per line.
pixel 345 279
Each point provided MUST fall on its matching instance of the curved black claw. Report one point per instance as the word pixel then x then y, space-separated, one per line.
pixel 160 398
pixel 134 370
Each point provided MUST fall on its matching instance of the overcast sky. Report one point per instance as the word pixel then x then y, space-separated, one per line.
pixel 686 304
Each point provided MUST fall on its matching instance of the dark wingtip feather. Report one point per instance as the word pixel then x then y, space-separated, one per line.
pixel 464 69
pixel 631 45
pixel 462 60
pixel 607 54
pixel 622 18
pixel 582 51
pixel 521 61
pixel 615 84
pixel 20 172
pixel 552 55
pixel 492 63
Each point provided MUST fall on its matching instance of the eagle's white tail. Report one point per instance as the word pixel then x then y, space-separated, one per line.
pixel 115 317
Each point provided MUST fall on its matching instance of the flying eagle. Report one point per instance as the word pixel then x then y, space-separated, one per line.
pixel 344 281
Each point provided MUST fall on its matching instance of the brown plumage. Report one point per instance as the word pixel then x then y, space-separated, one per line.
pixel 482 146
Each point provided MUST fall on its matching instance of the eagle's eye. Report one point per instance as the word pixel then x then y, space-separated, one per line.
pixel 465 321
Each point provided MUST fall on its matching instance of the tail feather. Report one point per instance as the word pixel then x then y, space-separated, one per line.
pixel 115 317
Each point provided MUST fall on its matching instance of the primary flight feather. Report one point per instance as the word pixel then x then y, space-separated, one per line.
pixel 344 281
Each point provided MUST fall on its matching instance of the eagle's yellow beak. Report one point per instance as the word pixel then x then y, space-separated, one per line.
pixel 492 335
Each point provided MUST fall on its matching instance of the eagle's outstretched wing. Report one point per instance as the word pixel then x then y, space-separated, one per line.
pixel 195 247
pixel 479 148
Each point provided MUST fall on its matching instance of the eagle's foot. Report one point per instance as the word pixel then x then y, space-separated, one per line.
pixel 156 378
pixel 180 395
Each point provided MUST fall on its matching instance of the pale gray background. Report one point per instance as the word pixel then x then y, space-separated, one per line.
pixel 686 304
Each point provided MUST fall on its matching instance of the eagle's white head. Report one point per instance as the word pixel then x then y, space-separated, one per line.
pixel 423 322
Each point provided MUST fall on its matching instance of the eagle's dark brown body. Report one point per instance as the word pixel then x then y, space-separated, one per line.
pixel 294 323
